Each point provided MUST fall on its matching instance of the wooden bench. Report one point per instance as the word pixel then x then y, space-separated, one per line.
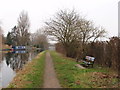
pixel 88 61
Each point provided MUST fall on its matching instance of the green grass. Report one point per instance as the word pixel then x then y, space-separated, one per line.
pixel 71 76
pixel 31 76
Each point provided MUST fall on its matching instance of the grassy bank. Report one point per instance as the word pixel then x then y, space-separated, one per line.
pixel 31 76
pixel 71 76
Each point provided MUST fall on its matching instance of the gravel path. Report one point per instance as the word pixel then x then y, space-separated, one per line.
pixel 50 79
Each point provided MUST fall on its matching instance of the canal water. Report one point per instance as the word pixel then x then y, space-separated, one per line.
pixel 11 63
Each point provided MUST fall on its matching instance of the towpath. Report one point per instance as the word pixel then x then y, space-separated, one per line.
pixel 50 79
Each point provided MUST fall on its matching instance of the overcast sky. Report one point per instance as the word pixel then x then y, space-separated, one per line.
pixel 101 12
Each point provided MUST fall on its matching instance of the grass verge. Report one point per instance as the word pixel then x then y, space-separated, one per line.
pixel 71 76
pixel 31 76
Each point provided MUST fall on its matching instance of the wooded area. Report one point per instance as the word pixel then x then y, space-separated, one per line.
pixel 20 34
pixel 106 53
pixel 79 37
pixel 73 32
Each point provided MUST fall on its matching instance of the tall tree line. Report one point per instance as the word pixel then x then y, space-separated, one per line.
pixel 20 34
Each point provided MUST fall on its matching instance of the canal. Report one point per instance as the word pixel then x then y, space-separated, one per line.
pixel 11 63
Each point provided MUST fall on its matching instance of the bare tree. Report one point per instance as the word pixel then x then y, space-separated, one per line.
pixel 20 34
pixel 22 29
pixel 39 39
pixel 1 32
pixel 0 44
pixel 88 32
pixel 73 31
pixel 64 27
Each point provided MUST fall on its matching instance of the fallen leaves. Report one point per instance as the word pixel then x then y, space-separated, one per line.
pixel 103 80
pixel 77 82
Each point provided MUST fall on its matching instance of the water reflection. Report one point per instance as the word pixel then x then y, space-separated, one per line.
pixel 16 60
pixel 12 62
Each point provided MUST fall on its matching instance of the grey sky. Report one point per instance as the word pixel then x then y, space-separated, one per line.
pixel 101 12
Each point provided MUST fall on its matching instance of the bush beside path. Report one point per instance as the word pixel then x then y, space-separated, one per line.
pixel 71 76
